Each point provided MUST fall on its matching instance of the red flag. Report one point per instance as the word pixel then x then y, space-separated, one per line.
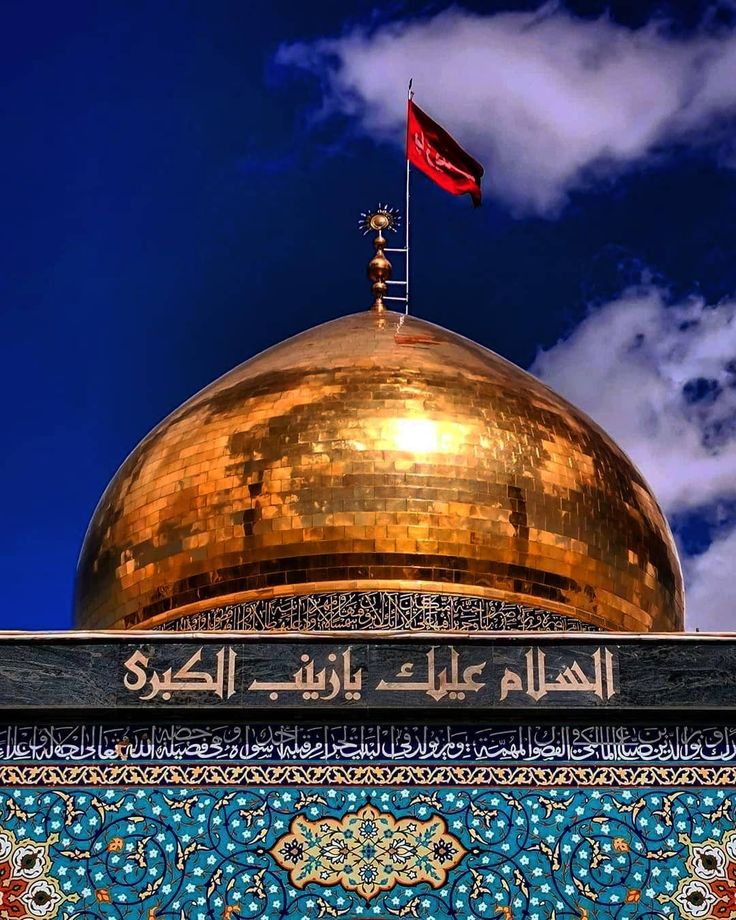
pixel 431 149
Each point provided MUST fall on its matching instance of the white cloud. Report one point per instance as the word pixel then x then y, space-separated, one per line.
pixel 542 99
pixel 662 381
pixel 709 579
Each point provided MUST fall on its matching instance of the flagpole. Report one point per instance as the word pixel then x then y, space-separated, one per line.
pixel 405 248
pixel 410 94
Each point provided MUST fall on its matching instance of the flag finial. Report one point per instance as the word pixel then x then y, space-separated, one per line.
pixel 379 267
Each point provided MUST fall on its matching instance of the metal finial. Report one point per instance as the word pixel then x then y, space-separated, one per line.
pixel 379 267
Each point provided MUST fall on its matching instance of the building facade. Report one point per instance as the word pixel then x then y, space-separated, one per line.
pixel 376 625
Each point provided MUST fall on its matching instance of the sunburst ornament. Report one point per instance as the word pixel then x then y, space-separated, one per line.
pixel 381 218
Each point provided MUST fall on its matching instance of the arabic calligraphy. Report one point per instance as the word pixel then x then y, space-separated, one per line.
pixel 313 686
pixel 389 674
pixel 434 158
pixel 397 610
pixel 148 741
pixel 437 685
pixel 185 679
pixel 571 679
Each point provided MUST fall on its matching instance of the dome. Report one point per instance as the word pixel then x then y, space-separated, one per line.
pixel 378 472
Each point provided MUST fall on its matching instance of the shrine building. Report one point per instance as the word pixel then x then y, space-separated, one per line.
pixel 376 625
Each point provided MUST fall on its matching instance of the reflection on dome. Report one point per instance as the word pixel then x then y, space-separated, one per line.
pixel 377 457
pixel 424 436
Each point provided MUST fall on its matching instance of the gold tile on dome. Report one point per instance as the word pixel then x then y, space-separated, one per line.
pixel 346 455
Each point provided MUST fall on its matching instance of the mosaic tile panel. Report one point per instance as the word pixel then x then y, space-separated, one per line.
pixel 308 852
pixel 294 822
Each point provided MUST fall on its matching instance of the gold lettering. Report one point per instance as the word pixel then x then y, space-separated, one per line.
pixel 571 678
pixel 317 686
pixel 186 678
pixel 437 685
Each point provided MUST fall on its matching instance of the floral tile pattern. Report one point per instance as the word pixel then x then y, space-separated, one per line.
pixel 26 889
pixel 367 851
pixel 709 888
pixel 302 852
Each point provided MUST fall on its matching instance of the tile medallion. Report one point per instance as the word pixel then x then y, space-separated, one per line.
pixel 27 889
pixel 367 851
pixel 708 888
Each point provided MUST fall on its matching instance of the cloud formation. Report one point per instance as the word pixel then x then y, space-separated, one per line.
pixel 545 100
pixel 661 379
pixel 710 587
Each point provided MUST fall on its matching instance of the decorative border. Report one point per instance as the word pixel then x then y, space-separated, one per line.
pixel 494 775
pixel 384 610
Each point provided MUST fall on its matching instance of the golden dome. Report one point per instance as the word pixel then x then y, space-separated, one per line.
pixel 375 456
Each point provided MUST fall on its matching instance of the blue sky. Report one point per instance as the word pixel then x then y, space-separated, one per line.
pixel 180 188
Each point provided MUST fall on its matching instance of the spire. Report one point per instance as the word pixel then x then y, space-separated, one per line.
pixel 379 267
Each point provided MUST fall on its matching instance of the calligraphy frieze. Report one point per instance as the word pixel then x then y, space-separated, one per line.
pixel 349 675
pixel 211 672
pixel 342 611
pixel 148 741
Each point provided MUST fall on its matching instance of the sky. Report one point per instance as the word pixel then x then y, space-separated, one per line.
pixel 180 188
